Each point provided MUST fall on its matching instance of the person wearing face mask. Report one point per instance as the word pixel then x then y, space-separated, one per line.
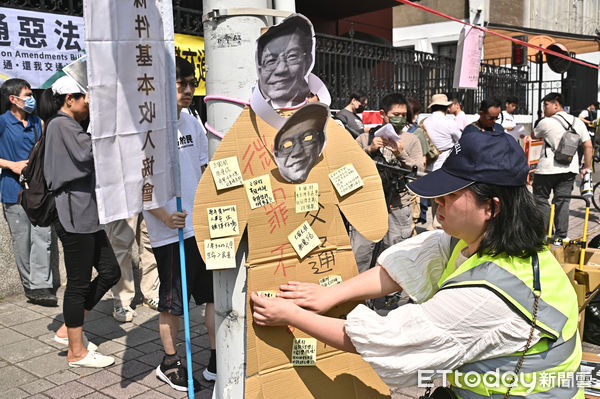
pixel 406 152
pixel 349 114
pixel 19 130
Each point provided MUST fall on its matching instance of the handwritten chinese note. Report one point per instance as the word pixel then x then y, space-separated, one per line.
pixel 259 191
pixel 304 239
pixel 304 352
pixel 328 281
pixel 222 221
pixel 220 254
pixel 345 179
pixel 268 293
pixel 226 172
pixel 307 197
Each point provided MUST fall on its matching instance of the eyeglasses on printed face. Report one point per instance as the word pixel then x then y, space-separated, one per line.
pixel 291 58
pixel 191 83
pixel 305 140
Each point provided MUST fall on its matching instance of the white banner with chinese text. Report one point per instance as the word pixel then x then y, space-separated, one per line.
pixel 133 103
pixel 35 45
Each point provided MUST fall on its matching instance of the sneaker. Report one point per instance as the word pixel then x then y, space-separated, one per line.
pixel 175 376
pixel 65 341
pixel 208 375
pixel 123 314
pixel 93 359
pixel 152 303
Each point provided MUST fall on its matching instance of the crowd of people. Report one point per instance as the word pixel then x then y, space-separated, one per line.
pixel 70 176
pixel 483 288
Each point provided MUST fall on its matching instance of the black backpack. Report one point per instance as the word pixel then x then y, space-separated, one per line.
pixel 35 198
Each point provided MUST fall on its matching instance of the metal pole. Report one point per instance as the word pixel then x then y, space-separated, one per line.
pixel 230 71
pixel 540 65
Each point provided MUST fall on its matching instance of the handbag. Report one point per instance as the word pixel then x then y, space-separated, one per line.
pixel 447 393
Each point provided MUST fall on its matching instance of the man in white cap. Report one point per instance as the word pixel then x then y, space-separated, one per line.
pixel 443 133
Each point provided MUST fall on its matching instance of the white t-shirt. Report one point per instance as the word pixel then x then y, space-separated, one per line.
pixel 551 131
pixel 193 154
pixel 507 120
pixel 444 133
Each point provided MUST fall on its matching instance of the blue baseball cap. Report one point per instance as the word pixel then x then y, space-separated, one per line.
pixel 484 157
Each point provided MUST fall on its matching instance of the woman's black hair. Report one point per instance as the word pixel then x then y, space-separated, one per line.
pixel 517 228
pixel 51 103
pixel 11 87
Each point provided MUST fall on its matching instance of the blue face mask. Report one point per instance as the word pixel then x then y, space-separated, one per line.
pixel 29 105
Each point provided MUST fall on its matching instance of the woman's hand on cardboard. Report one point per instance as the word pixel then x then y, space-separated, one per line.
pixel 272 311
pixel 309 296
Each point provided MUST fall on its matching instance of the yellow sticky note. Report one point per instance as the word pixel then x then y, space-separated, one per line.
pixel 226 172
pixel 304 352
pixel 346 179
pixel 307 197
pixel 219 253
pixel 268 293
pixel 259 191
pixel 222 221
pixel 304 239
pixel 328 281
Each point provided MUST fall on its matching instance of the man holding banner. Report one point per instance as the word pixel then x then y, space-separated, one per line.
pixel 162 225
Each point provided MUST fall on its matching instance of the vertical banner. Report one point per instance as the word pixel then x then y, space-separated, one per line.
pixel 191 48
pixel 468 58
pixel 35 45
pixel 133 103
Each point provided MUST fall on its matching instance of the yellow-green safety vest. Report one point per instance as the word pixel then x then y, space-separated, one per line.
pixel 550 366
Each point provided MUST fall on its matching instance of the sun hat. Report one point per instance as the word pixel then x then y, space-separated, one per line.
pixel 484 157
pixel 439 99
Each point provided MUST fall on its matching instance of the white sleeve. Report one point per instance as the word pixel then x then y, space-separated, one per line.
pixel 417 263
pixel 455 327
pixel 203 141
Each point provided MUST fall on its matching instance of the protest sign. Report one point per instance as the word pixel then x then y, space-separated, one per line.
pixel 35 45
pixel 131 78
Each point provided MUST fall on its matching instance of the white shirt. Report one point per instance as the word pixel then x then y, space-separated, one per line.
pixel 551 130
pixel 507 120
pixel 193 154
pixel 461 120
pixel 444 329
pixel 444 133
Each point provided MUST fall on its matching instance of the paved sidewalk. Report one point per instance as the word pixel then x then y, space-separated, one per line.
pixel 32 365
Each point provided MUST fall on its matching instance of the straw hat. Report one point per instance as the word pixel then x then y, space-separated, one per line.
pixel 439 99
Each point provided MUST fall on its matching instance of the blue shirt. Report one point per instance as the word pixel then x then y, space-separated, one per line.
pixel 16 142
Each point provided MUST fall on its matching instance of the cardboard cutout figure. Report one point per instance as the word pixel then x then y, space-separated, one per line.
pixel 285 57
pixel 300 142
pixel 285 242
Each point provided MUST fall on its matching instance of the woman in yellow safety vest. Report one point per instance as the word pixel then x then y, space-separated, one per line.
pixel 493 310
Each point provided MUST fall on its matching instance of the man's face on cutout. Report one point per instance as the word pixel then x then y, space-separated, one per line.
pixel 296 153
pixel 283 64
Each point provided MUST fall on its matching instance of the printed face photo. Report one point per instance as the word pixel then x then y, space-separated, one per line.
pixel 284 60
pixel 300 141
pixel 297 153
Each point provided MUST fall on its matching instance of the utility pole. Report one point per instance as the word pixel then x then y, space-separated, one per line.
pixel 231 28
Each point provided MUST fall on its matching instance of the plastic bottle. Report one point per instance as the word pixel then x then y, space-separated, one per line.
pixel 586 185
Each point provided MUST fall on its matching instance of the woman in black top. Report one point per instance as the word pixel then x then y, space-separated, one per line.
pixel 69 173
